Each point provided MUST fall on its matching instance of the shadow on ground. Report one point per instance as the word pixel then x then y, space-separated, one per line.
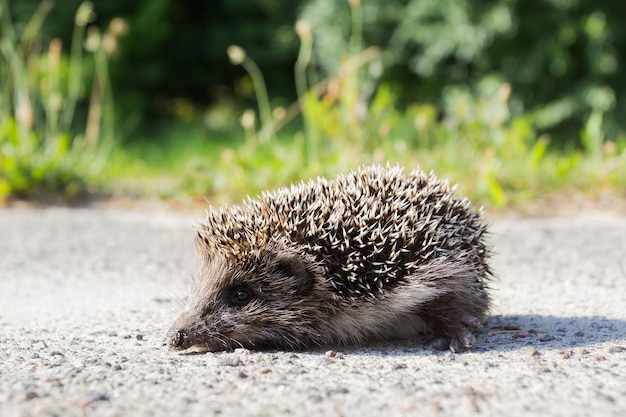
pixel 505 333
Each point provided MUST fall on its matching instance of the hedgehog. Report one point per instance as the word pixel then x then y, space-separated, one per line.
pixel 376 254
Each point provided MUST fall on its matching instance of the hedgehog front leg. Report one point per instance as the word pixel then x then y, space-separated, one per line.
pixel 452 323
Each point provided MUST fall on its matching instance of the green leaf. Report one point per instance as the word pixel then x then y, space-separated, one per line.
pixel 592 135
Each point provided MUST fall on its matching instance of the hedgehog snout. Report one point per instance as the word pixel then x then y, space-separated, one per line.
pixel 177 338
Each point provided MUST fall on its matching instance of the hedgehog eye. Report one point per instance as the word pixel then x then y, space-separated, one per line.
pixel 240 296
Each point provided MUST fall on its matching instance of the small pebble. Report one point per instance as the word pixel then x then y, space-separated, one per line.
pixel 231 362
pixel 97 396
pixel 31 395
pixel 340 390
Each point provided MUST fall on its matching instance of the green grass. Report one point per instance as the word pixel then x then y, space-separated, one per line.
pixel 175 162
pixel 511 171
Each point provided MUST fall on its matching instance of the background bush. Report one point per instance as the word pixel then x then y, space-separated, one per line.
pixel 562 58
pixel 173 56
pixel 478 91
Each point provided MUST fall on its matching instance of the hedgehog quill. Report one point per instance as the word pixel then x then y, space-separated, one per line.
pixel 374 254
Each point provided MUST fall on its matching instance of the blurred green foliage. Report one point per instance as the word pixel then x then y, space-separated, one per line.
pixel 510 98
pixel 496 156
pixel 55 121
pixel 172 61
pixel 352 117
pixel 562 58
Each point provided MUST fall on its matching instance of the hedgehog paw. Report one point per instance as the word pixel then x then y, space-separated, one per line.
pixel 458 338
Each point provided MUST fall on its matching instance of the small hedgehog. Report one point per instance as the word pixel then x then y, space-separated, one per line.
pixel 373 255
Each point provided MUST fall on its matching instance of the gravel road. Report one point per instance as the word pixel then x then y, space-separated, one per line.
pixel 86 296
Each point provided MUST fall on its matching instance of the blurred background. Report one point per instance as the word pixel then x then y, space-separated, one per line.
pixel 515 100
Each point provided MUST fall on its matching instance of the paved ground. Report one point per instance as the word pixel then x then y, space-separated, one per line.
pixel 87 295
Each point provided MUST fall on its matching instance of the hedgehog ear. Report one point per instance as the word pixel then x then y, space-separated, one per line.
pixel 294 268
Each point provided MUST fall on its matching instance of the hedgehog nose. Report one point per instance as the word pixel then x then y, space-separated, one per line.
pixel 177 338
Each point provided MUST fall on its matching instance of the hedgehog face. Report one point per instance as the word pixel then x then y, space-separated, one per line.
pixel 267 298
